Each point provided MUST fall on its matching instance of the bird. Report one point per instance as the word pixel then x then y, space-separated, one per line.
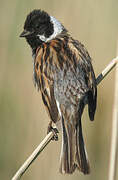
pixel 63 72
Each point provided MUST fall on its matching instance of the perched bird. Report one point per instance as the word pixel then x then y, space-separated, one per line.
pixel 64 74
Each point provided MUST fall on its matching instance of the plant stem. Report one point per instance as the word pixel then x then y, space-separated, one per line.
pixel 114 136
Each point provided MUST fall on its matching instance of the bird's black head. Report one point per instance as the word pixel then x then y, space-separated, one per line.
pixel 39 27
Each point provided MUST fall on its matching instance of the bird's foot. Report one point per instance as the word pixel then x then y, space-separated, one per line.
pixel 54 130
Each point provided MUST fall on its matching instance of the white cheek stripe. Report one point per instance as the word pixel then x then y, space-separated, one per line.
pixel 57 30
pixel 42 38
pixel 58 107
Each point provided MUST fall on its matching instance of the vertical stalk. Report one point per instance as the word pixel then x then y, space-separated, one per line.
pixel 114 137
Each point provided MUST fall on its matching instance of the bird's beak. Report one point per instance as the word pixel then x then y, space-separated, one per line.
pixel 25 33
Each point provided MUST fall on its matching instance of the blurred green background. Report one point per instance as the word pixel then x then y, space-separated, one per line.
pixel 23 120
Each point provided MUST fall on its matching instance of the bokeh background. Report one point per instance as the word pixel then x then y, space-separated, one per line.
pixel 23 120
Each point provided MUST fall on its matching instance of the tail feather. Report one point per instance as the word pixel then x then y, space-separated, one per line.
pixel 73 153
pixel 68 150
pixel 81 153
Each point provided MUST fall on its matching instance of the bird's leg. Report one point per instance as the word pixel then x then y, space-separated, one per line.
pixel 54 130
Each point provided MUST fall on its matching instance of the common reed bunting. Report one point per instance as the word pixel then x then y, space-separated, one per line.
pixel 64 74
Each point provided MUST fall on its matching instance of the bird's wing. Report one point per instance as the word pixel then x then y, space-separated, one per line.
pixel 89 78
pixel 75 79
pixel 44 80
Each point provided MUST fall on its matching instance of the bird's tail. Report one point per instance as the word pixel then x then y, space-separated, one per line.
pixel 73 152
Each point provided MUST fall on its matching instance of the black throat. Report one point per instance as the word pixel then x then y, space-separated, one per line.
pixel 34 43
